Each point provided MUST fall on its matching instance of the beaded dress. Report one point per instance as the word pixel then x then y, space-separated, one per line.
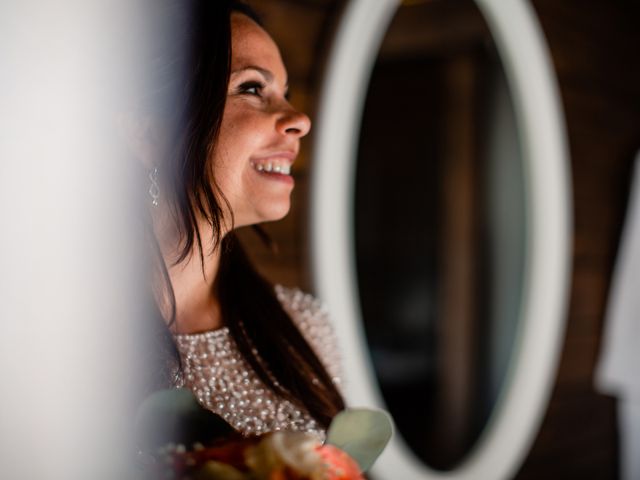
pixel 223 382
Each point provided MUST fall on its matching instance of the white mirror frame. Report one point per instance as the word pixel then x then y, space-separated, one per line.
pixel 516 418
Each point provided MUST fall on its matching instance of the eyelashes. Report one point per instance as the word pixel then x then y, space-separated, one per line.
pixel 256 88
pixel 251 88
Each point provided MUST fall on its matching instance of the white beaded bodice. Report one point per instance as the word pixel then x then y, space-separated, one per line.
pixel 214 369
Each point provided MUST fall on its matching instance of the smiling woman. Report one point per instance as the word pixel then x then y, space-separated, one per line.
pixel 261 356
pixel 260 133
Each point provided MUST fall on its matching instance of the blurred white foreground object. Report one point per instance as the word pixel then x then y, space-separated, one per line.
pixel 617 372
pixel 65 252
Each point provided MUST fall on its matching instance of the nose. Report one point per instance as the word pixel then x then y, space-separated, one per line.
pixel 293 122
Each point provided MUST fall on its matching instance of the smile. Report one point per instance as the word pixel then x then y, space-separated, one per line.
pixel 283 168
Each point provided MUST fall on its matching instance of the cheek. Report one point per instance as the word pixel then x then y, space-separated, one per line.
pixel 231 163
pixel 239 135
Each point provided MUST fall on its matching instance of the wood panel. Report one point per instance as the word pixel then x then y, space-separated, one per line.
pixel 456 387
pixel 595 46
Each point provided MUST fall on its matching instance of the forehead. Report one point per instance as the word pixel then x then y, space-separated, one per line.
pixel 252 45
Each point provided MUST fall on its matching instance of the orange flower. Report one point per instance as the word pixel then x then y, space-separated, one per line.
pixel 278 474
pixel 337 465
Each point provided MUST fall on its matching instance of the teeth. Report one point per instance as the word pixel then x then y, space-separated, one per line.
pixel 268 167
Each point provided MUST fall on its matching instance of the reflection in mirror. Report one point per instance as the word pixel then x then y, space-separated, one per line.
pixel 440 226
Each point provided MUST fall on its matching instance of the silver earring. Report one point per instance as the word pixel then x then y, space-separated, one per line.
pixel 154 188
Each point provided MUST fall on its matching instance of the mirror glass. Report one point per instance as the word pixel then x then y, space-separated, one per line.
pixel 440 226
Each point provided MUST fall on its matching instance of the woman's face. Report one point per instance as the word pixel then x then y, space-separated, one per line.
pixel 260 132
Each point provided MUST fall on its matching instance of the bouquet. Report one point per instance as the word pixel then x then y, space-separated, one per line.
pixel 184 441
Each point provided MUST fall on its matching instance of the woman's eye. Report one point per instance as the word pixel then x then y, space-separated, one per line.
pixel 251 88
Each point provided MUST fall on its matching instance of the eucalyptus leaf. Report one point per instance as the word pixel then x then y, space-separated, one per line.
pixel 362 433
pixel 175 416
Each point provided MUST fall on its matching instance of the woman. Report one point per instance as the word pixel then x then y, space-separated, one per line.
pixel 249 351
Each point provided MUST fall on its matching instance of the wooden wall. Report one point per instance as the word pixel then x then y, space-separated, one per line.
pixel 595 45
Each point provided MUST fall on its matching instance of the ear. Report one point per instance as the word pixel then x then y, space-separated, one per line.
pixel 139 137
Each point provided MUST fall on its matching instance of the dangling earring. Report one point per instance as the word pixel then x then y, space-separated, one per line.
pixel 154 188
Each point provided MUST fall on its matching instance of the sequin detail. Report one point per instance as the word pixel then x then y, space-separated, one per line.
pixel 213 368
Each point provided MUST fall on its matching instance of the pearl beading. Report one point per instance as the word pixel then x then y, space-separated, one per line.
pixel 222 381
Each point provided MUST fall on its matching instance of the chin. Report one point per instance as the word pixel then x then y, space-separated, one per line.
pixel 275 216
pixel 276 211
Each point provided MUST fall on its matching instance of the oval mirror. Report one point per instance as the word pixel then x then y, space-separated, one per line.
pixel 440 219
pixel 439 226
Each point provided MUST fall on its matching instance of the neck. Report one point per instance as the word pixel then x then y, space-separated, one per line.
pixel 197 304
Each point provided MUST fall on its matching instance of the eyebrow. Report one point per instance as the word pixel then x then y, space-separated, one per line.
pixel 267 74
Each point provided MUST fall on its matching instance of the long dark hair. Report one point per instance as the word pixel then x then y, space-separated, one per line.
pixel 265 334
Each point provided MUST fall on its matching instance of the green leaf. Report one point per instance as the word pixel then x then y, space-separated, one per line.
pixel 361 433
pixel 175 416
